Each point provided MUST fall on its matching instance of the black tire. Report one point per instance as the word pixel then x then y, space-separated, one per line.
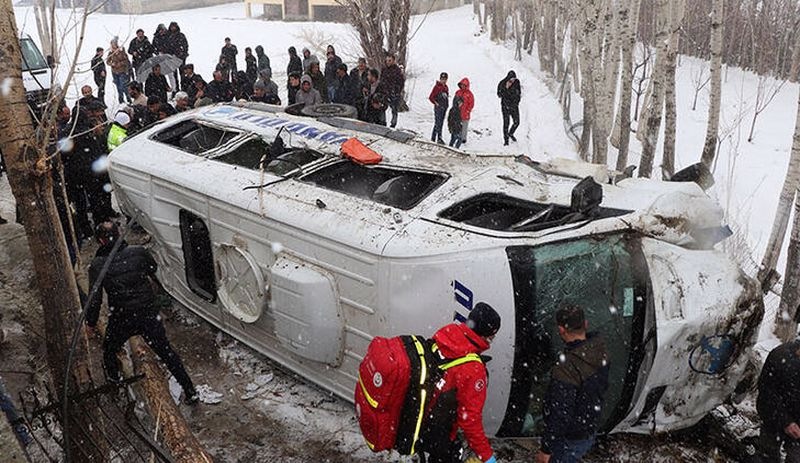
pixel 330 110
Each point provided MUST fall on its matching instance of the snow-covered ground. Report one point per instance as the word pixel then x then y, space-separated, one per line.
pixel 749 175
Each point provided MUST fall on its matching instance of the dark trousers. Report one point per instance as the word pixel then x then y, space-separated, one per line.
pixel 446 453
pixel 121 328
pixel 101 89
pixel 394 104
pixel 438 113
pixel 770 444
pixel 510 113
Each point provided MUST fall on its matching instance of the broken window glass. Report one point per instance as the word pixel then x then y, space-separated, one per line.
pixel 394 187
pixel 603 275
pixel 496 211
pixel 193 137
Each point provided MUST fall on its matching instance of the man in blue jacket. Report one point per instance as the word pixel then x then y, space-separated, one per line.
pixel 574 399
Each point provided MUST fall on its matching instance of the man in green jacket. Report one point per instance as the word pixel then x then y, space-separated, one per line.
pixel 118 131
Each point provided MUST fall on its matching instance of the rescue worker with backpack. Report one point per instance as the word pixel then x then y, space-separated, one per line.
pixel 414 394
pixel 459 395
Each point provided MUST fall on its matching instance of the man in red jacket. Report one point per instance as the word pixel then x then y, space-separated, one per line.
pixel 440 97
pixel 468 100
pixel 459 396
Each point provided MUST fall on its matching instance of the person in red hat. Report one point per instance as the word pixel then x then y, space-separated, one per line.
pixel 459 396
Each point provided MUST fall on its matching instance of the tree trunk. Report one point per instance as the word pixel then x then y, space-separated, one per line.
pixel 793 72
pixel 30 177
pixel 790 184
pixel 670 105
pixel 655 108
pixel 712 132
pixel 178 437
pixel 785 321
pixel 626 93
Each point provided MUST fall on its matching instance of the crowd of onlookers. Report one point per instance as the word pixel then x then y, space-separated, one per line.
pixel 140 81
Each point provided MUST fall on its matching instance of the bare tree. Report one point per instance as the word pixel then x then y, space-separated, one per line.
pixel 621 134
pixel 641 80
pixel 670 105
pixel 699 81
pixel 710 145
pixel 649 134
pixel 31 183
pixel 787 197
pixel 768 88
pixel 786 321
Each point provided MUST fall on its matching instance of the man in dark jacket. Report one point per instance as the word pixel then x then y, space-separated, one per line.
pixel 178 46
pixel 156 84
pixel 509 91
pixel 295 65
pixel 219 89
pixel 393 81
pixel 778 404
pixel 130 286
pixel 229 51
pixel 99 72
pixel 574 399
pixel 140 50
pixel 440 97
pixel 250 65
pixel 293 87
pixel 187 83
pixel 458 397
pixel 331 65
pixel 161 40
pixel 343 90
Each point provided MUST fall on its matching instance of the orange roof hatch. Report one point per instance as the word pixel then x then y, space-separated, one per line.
pixel 359 152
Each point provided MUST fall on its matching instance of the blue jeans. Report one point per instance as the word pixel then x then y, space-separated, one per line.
pixel 121 82
pixel 455 140
pixel 438 113
pixel 570 451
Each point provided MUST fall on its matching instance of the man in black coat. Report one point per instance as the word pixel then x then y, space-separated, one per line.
pixel 509 91
pixel 778 404
pixel 219 89
pixel 295 65
pixel 140 50
pixel 574 399
pixel 344 91
pixel 130 285
pixel 156 84
pixel 187 83
pixel 99 73
pixel 392 81
pixel 178 46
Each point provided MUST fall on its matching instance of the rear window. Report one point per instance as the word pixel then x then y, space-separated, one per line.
pixel 193 137
pixel 400 188
pixel 495 211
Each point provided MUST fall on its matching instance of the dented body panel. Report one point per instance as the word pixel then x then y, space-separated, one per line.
pixel 307 268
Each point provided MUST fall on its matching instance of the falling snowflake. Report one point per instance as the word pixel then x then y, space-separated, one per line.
pixel 100 166
pixel 277 248
pixel 65 145
pixel 5 86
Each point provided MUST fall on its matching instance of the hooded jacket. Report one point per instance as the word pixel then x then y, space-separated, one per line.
pixel 458 403
pixel 178 45
pixel 509 97
pixel 467 98
pixel 263 60
pixel 574 399
pixel 161 40
pixel 312 58
pixel 309 98
pixel 295 65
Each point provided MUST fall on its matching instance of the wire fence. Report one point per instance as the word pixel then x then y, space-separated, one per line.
pixel 123 431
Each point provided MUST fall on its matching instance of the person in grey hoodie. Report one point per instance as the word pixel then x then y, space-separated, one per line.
pixel 308 58
pixel 308 94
